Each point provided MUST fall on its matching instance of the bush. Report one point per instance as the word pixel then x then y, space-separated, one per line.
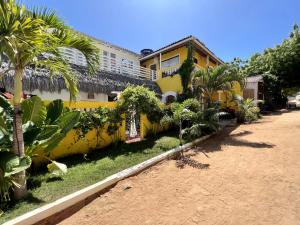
pixel 247 110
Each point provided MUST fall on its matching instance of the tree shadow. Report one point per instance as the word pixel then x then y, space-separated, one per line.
pixel 244 143
pixel 53 179
pixel 226 138
pixel 186 160
pixel 30 199
pixel 241 133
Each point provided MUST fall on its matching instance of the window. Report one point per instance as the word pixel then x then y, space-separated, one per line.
pixel 91 95
pixel 195 60
pixel 153 67
pixel 113 62
pixel 170 62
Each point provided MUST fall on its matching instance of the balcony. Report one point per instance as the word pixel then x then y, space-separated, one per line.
pixel 127 69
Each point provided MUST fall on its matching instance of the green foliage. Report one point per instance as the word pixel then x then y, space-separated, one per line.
pixel 25 35
pixel 10 164
pixel 283 61
pixel 33 110
pixel 44 128
pixel 207 82
pixel 191 120
pixel 54 110
pixel 247 110
pixel 280 67
pixel 186 70
pixel 141 100
pixel 87 170
pixel 57 169
pixel 94 119
pixel 114 123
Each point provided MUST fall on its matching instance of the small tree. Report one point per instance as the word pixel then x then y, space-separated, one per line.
pixel 190 119
pixel 25 38
pixel 206 82
pixel 140 99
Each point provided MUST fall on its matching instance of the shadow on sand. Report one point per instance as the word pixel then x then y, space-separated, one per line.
pixel 215 143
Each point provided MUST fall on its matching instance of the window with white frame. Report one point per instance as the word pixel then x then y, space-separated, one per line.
pixel 170 62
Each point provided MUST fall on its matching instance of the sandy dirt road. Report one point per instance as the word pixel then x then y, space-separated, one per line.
pixel 253 178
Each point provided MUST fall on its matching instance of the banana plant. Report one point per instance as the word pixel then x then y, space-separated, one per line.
pixel 44 127
pixel 10 164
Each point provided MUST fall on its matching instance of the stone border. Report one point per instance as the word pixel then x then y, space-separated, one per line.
pixel 46 211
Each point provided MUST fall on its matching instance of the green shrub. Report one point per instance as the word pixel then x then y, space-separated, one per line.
pixel 247 110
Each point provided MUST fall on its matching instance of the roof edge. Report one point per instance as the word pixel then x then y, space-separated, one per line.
pixel 180 42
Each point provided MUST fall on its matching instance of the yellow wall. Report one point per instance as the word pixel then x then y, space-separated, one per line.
pixel 87 105
pixel 173 83
pixel 72 145
pixel 147 127
pixel 170 83
pixel 201 59
pixel 226 98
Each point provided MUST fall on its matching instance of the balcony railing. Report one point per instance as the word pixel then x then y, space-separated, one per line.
pixel 128 69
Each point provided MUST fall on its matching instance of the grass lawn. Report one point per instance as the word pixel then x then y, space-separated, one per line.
pixel 84 170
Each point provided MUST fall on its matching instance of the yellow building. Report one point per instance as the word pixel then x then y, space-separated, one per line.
pixel 167 60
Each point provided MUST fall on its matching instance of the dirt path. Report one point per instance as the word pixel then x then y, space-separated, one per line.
pixel 253 178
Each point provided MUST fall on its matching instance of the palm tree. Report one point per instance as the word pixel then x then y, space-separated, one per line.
pixel 207 82
pixel 34 38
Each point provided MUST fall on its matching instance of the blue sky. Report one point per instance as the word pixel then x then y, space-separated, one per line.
pixel 230 28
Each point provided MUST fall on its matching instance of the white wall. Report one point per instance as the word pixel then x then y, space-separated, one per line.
pixel 253 86
pixel 65 96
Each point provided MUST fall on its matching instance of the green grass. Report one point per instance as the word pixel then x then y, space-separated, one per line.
pixel 86 170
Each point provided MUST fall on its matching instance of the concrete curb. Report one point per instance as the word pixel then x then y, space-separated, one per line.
pixel 57 206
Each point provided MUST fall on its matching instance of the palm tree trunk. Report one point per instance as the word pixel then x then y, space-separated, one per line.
pixel 18 142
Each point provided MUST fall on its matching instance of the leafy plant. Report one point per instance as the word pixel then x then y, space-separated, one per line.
pixel 43 126
pixel 186 70
pixel 247 110
pixel 34 38
pixel 10 164
pixel 140 100
pixel 206 82
pixel 279 66
pixel 94 119
pixel 191 120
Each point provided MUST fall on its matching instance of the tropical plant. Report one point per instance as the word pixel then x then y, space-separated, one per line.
pixel 94 119
pixel 247 110
pixel 206 82
pixel 191 120
pixel 114 123
pixel 10 164
pixel 140 100
pixel 44 127
pixel 279 66
pixel 34 38
pixel 186 69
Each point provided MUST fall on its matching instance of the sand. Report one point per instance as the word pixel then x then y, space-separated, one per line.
pixel 253 178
